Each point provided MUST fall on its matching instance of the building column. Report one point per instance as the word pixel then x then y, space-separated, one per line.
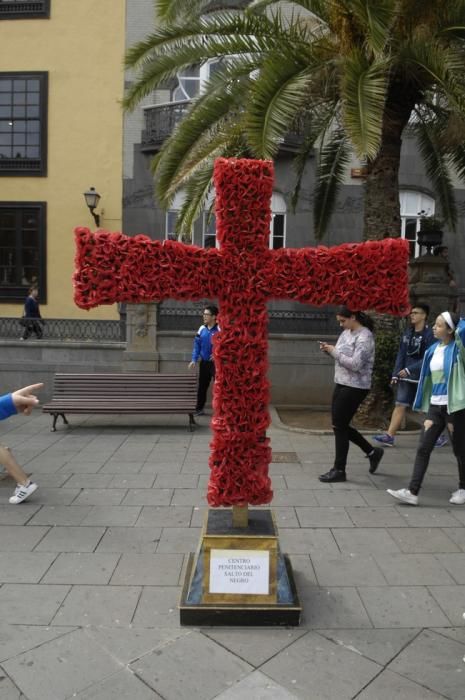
pixel 141 354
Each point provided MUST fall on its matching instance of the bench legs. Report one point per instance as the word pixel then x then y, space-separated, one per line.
pixel 55 418
pixel 192 422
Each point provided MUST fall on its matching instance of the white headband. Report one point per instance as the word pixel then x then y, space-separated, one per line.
pixel 448 319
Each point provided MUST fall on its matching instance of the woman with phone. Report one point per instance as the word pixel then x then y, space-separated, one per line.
pixel 354 356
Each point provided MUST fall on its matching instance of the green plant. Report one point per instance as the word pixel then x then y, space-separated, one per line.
pixel 431 223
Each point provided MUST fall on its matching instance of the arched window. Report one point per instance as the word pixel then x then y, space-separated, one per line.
pixel 278 221
pixel 172 215
pixel 413 205
pixel 277 226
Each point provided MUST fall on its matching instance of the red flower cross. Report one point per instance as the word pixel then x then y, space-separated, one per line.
pixel 243 273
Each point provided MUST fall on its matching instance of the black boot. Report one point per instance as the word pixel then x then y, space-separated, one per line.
pixel 333 475
pixel 375 458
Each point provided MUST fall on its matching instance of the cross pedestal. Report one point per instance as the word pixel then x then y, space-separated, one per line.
pixel 242 274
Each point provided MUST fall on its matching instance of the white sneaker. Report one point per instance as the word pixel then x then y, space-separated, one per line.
pixel 22 492
pixel 405 496
pixel 458 497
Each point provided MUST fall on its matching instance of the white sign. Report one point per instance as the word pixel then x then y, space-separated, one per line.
pixel 239 571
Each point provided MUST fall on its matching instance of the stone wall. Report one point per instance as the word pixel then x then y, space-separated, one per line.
pixel 299 373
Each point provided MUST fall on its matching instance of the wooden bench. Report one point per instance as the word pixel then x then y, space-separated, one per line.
pixel 131 393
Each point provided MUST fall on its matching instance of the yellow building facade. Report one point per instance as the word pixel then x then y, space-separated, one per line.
pixel 61 131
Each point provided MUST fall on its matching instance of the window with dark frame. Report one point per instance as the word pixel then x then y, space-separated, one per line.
pixel 22 249
pixel 23 124
pixel 24 9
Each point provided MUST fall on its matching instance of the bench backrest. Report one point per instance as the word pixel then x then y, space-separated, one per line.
pixel 130 386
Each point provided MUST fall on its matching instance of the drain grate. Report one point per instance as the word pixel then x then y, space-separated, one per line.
pixel 284 457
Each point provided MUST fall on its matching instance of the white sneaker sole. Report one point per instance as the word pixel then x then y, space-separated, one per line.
pixel 457 503
pixel 14 500
pixel 401 498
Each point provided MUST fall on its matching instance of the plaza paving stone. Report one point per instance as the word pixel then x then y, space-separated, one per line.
pixel 91 571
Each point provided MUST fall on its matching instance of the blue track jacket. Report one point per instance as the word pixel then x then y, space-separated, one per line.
pixel 7 407
pixel 203 343
pixel 454 371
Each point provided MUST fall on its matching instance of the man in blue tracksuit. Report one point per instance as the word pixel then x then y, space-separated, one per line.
pixel 202 353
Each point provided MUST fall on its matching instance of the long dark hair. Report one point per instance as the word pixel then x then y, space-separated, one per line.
pixel 361 317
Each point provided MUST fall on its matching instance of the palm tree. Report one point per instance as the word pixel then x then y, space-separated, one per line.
pixel 353 75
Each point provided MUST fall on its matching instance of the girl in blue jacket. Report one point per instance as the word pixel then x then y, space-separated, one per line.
pixel 441 395
pixel 20 401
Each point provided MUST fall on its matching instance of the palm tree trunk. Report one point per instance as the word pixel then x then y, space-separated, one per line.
pixel 382 220
pixel 382 206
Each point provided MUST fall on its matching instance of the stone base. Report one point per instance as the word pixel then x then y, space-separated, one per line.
pixel 280 606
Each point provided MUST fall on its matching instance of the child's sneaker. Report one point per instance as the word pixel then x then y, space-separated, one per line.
pixel 22 492
pixel 405 496
pixel 458 497
pixel 441 441
pixel 385 439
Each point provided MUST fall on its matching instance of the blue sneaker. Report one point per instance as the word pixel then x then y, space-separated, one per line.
pixel 441 441
pixel 385 439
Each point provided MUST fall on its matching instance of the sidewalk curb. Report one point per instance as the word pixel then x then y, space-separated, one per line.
pixel 276 422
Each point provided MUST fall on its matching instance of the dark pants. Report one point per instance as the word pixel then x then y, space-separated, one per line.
pixel 440 419
pixel 346 400
pixel 206 374
pixel 32 327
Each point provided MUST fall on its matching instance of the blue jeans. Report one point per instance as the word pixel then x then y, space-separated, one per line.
pixel 440 419
pixel 405 393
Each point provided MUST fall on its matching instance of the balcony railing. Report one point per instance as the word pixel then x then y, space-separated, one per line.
pixel 24 9
pixel 160 121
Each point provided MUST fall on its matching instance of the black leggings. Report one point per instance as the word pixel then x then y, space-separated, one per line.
pixel 440 419
pixel 346 400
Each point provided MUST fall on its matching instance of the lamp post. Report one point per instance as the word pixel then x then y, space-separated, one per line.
pixel 92 198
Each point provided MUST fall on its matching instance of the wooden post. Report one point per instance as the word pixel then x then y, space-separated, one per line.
pixel 240 516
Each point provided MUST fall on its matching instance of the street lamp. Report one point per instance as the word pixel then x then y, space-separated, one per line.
pixel 92 198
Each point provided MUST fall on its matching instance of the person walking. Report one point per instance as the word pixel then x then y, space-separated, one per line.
pixel 202 354
pixel 440 394
pixel 354 356
pixel 413 345
pixel 20 401
pixel 32 315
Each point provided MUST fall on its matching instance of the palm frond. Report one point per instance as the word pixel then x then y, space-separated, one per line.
pixel 334 158
pixel 457 157
pixel 431 65
pixel 436 162
pixel 363 94
pixel 318 8
pixel 317 125
pixel 375 18
pixel 168 50
pixel 172 10
pixel 196 190
pixel 276 99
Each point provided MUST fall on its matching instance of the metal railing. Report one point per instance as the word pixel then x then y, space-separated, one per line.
pixel 160 121
pixel 170 318
pixel 12 9
pixel 69 329
pixel 187 318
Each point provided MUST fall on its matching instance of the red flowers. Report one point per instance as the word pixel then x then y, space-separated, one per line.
pixel 243 274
